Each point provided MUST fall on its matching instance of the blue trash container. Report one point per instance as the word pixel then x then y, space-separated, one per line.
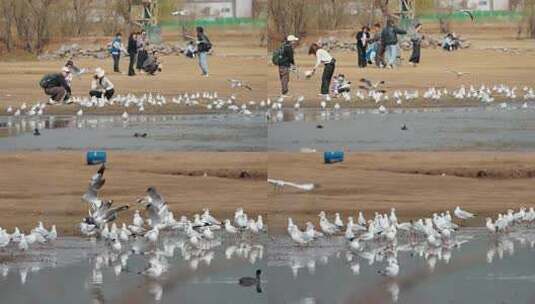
pixel 331 157
pixel 96 157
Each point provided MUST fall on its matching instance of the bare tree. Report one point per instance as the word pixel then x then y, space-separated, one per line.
pixel 7 10
pixel 80 16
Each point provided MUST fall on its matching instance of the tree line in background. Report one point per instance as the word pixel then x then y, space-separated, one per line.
pixel 30 24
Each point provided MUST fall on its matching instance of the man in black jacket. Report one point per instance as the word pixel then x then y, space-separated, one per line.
pixel 389 39
pixel 57 87
pixel 362 44
pixel 286 62
pixel 132 52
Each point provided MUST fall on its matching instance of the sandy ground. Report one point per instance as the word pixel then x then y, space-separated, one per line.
pixel 485 65
pixel 411 182
pixel 48 186
pixel 237 55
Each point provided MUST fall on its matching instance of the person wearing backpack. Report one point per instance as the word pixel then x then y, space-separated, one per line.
pixel 57 87
pixel 203 47
pixel 101 86
pixel 284 58
pixel 116 48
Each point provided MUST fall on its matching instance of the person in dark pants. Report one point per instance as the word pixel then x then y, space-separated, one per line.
pixel 116 48
pixel 323 57
pixel 203 48
pixel 132 52
pixel 142 53
pixel 362 44
pixel 101 86
pixel 152 64
pixel 416 39
pixel 57 87
pixel 286 62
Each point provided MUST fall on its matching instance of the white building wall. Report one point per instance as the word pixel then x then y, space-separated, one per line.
pixel 244 8
pixel 213 9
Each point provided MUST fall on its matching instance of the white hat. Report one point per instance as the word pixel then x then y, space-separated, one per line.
pixel 292 38
pixel 99 72
pixel 65 69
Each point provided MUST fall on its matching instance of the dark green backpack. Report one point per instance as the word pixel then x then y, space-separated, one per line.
pixel 277 55
pixel 48 81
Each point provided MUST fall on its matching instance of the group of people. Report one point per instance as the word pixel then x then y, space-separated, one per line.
pixel 58 85
pixel 379 46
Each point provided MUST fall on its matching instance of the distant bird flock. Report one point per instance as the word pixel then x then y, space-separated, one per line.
pixel 211 101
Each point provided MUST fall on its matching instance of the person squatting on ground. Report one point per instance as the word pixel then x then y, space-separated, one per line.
pixel 101 86
pixel 132 53
pixel 285 60
pixel 152 64
pixel 116 49
pixel 57 87
pixel 362 44
pixel 389 39
pixel 329 65
pixel 203 48
pixel 416 39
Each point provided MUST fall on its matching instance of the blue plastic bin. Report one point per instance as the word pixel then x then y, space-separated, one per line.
pixel 96 157
pixel 331 157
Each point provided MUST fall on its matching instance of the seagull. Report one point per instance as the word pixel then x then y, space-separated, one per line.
pixel 229 228
pixel 391 270
pixel 461 214
pixel 156 207
pixel 457 73
pixel 278 184
pixel 469 13
pixel 181 12
pixel 370 86
pixel 235 83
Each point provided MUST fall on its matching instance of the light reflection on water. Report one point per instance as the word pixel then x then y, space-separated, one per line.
pixel 476 268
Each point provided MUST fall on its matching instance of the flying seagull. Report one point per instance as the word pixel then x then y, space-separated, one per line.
pixel 370 86
pixel 100 211
pixel 470 14
pixel 457 73
pixel 235 83
pixel 279 184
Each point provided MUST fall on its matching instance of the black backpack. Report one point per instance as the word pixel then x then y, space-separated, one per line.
pixel 48 81
pixel 277 55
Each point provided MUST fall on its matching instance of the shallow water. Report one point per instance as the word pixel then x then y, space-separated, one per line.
pixel 219 132
pixel 478 269
pixel 481 128
pixel 475 268
pixel 86 272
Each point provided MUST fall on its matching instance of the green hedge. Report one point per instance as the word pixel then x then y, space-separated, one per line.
pixel 480 16
pixel 217 22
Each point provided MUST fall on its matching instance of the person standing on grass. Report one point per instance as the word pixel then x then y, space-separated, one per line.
pixel 132 53
pixel 142 53
pixel 389 39
pixel 323 57
pixel 362 44
pixel 116 48
pixel 416 39
pixel 101 86
pixel 286 62
pixel 203 48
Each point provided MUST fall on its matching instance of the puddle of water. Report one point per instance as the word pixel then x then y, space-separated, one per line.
pixel 91 272
pixel 73 270
pixel 219 132
pixel 481 269
pixel 479 128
